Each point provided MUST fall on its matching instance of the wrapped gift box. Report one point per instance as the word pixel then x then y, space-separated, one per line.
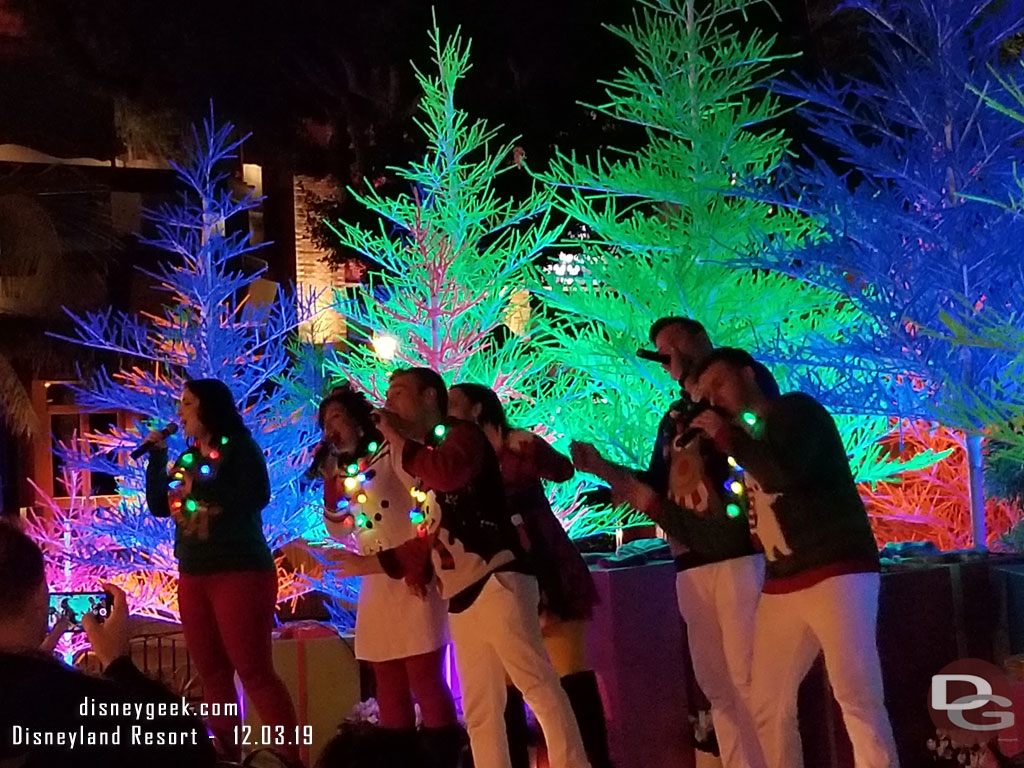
pixel 322 675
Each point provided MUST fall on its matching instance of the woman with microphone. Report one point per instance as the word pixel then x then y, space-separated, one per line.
pixel 227 588
pixel 401 625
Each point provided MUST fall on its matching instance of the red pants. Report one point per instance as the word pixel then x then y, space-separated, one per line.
pixel 421 676
pixel 227 619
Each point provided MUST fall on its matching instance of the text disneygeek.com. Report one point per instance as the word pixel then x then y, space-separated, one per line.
pixel 131 733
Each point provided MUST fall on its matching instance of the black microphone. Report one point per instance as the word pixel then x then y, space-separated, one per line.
pixel 146 445
pixel 653 356
pixel 322 451
pixel 689 433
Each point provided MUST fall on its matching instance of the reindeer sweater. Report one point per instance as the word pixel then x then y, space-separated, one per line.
pixel 804 506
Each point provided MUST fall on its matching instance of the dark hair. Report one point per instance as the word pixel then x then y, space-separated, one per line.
pixel 692 327
pixel 21 569
pixel 427 378
pixel 734 358
pixel 491 410
pixel 359 410
pixel 217 410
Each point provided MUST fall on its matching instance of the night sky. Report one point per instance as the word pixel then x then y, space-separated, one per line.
pixel 329 81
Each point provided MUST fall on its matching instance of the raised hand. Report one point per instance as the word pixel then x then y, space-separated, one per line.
pixel 587 458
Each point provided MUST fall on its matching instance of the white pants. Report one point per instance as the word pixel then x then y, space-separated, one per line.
pixel 719 604
pixel 498 634
pixel 837 616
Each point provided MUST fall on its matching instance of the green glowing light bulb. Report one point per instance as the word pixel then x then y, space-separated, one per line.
pixel 439 430
pixel 733 510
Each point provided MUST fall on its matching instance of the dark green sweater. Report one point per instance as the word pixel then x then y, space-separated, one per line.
pixel 821 528
pixel 231 539
pixel 709 538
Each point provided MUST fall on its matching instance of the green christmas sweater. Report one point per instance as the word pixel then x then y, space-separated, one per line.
pixel 216 502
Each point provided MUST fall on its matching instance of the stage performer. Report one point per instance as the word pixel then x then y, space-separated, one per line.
pixel 567 591
pixel 372 504
pixel 688 490
pixel 227 586
pixel 482 568
pixel 822 583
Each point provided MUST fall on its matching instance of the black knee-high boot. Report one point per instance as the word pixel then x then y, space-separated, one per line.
pixel 444 747
pixel 585 699
pixel 516 729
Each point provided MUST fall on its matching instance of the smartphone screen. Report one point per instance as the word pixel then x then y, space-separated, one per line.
pixel 74 605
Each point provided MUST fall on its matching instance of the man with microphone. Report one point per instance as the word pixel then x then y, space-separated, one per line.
pixel 482 569
pixel 688 490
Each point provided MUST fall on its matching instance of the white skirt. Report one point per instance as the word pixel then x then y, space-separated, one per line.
pixel 393 623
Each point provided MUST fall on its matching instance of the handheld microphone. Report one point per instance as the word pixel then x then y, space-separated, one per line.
pixel 146 446
pixel 653 356
pixel 322 451
pixel 689 433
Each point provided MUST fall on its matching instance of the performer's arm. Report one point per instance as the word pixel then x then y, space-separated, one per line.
pixel 800 430
pixel 245 483
pixel 542 459
pixel 156 483
pixel 450 465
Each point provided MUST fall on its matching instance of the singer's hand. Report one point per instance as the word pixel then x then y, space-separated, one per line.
pixel 157 440
pixel 709 422
pixel 390 425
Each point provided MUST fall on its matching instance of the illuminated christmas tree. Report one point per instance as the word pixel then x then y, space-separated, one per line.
pixel 908 233
pixel 454 255
pixel 665 227
pixel 212 326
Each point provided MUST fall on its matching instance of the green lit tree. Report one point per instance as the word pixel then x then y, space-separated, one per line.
pixel 662 228
pixel 455 255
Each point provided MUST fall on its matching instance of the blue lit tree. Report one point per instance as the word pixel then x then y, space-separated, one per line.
pixel 907 233
pixel 211 326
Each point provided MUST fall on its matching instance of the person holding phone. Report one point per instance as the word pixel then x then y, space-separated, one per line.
pixel 401 625
pixel 40 694
pixel 227 587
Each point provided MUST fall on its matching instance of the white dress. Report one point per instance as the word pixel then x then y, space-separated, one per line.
pixel 391 621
